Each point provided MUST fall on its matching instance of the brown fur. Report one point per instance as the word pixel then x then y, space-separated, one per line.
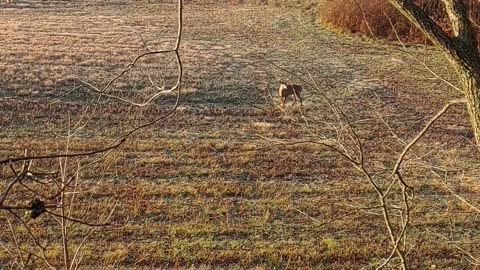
pixel 285 90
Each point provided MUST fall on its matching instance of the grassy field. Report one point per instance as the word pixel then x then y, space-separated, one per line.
pixel 207 188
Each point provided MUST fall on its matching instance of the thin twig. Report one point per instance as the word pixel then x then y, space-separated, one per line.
pixel 397 165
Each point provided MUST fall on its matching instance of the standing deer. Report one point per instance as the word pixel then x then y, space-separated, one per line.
pixel 286 90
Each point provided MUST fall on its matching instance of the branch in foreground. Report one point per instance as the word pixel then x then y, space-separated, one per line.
pixel 423 131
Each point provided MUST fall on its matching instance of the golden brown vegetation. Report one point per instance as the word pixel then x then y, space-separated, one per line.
pixel 372 17
pixel 204 190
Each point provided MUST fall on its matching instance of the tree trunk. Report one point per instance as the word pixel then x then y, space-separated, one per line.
pixel 470 83
pixel 461 48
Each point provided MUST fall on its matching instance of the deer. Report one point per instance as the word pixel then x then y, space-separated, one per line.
pixel 285 90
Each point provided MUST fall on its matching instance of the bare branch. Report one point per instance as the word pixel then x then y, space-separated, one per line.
pixel 90 153
pixel 423 22
pixel 396 168
pixel 462 28
pixel 416 58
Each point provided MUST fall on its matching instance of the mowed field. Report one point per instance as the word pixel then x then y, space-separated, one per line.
pixel 211 187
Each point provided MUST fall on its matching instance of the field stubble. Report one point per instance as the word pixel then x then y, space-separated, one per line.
pixel 193 190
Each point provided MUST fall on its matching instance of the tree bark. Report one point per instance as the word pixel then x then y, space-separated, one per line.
pixel 461 49
pixel 470 83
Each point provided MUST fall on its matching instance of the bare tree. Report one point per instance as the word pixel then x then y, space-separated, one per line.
pixel 461 48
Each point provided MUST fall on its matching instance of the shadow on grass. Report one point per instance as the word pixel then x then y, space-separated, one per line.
pixel 227 95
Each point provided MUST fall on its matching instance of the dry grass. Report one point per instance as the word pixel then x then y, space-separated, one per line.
pixel 347 16
pixel 193 192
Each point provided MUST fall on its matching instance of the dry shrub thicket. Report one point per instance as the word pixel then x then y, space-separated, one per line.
pixel 372 17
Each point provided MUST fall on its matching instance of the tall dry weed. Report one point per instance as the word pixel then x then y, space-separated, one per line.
pixel 371 17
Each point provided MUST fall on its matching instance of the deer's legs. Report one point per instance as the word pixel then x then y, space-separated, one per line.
pixel 284 101
pixel 296 96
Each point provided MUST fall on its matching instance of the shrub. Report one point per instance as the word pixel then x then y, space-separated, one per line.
pixel 371 17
